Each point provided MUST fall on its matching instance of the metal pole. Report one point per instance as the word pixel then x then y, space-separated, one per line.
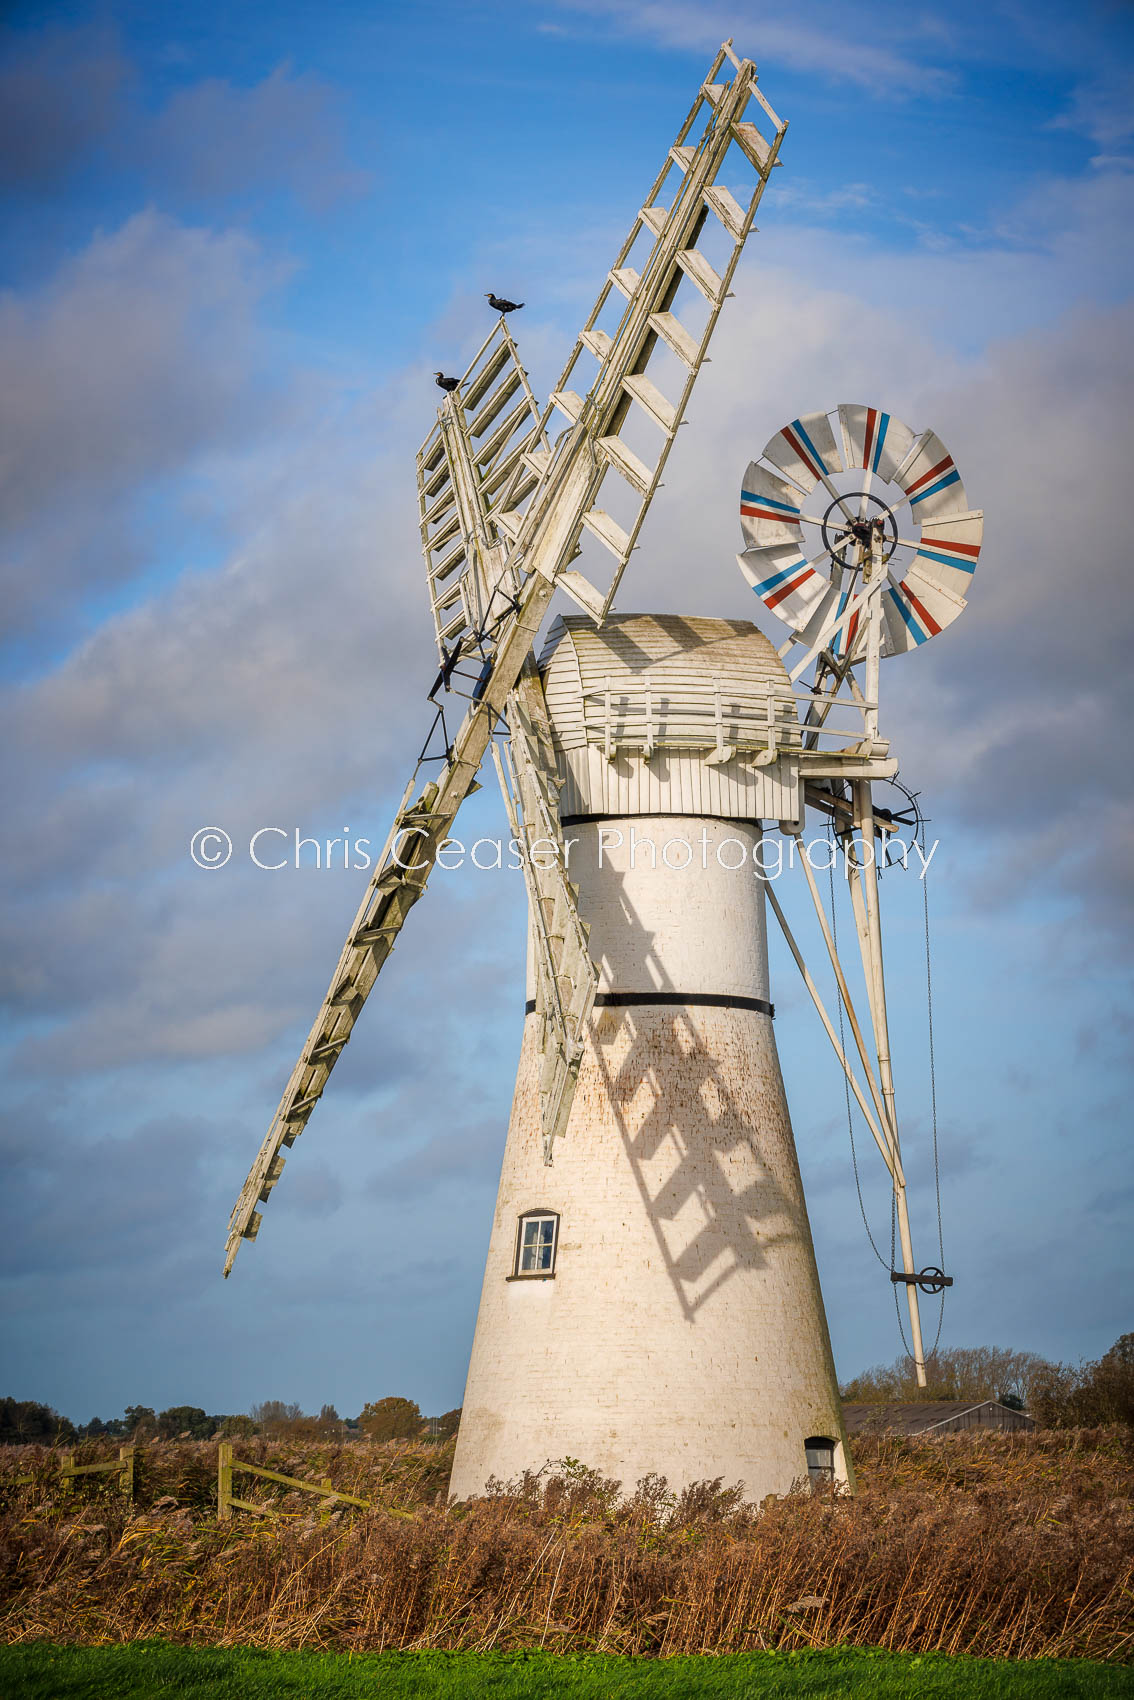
pixel 844 993
pixel 875 568
pixel 879 1140
pixel 872 964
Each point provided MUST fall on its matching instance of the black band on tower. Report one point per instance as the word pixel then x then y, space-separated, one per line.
pixel 713 1000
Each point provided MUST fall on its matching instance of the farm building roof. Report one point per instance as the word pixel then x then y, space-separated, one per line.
pixel 941 1416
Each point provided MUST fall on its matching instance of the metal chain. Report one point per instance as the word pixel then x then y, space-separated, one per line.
pixel 832 841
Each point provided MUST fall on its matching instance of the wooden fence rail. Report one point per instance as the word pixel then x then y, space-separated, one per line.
pixel 122 1467
pixel 226 1499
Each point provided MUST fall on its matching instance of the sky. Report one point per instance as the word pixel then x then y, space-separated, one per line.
pixel 236 243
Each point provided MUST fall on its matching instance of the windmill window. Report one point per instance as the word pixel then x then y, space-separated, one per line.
pixel 536 1242
pixel 820 1454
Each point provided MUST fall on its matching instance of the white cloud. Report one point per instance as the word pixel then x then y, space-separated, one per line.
pixel 138 357
pixel 1103 107
pixel 823 47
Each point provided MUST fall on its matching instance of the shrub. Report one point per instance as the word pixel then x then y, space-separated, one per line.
pixel 1006 1545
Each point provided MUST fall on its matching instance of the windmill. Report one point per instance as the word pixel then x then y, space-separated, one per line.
pixel 651 1300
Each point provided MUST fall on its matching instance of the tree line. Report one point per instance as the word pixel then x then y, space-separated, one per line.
pixel 26 1421
pixel 1085 1395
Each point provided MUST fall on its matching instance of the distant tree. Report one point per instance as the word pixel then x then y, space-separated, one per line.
pixel 182 1420
pixel 96 1429
pixel 444 1428
pixel 1121 1354
pixel 140 1421
pixel 1012 1401
pixel 391 1419
pixel 24 1421
pixel 956 1372
pixel 275 1417
pixel 236 1428
pixel 1092 1394
pixel 1114 1381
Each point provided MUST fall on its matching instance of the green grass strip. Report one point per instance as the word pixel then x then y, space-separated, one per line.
pixel 155 1670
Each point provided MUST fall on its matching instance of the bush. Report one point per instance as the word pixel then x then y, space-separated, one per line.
pixel 24 1420
pixel 1005 1545
pixel 391 1419
pixel 1101 1392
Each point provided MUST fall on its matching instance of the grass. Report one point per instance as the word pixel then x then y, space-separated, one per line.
pixel 156 1670
pixel 1003 1547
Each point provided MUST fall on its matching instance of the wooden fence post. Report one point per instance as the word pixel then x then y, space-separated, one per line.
pixel 224 1481
pixel 126 1454
pixel 66 1471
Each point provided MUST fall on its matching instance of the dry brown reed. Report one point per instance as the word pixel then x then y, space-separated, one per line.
pixel 1007 1546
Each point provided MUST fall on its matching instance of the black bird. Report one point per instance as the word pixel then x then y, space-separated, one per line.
pixel 444 383
pixel 499 305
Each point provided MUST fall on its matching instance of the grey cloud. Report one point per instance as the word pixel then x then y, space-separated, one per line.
pixel 65 104
pixel 107 1202
pixel 214 140
pixel 265 693
pixel 137 358
pixel 60 94
pixel 454 1157
pixel 315 1192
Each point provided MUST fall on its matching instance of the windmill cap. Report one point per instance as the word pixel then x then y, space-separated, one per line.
pixel 643 708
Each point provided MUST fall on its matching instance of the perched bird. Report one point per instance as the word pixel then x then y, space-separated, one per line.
pixel 499 305
pixel 444 383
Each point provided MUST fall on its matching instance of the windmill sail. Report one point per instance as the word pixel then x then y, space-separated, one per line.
pixel 623 404
pixel 560 504
pixel 475 472
pixel 566 979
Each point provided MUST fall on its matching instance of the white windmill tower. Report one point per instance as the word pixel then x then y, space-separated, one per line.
pixel 651 1300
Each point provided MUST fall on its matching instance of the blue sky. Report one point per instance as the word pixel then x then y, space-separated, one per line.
pixel 236 243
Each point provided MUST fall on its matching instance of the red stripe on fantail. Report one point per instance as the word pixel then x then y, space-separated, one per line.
pixel 792 442
pixel 942 466
pixel 951 548
pixel 871 427
pixel 786 589
pixel 921 611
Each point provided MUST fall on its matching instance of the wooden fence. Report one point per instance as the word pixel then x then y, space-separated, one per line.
pixel 226 1499
pixel 122 1467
